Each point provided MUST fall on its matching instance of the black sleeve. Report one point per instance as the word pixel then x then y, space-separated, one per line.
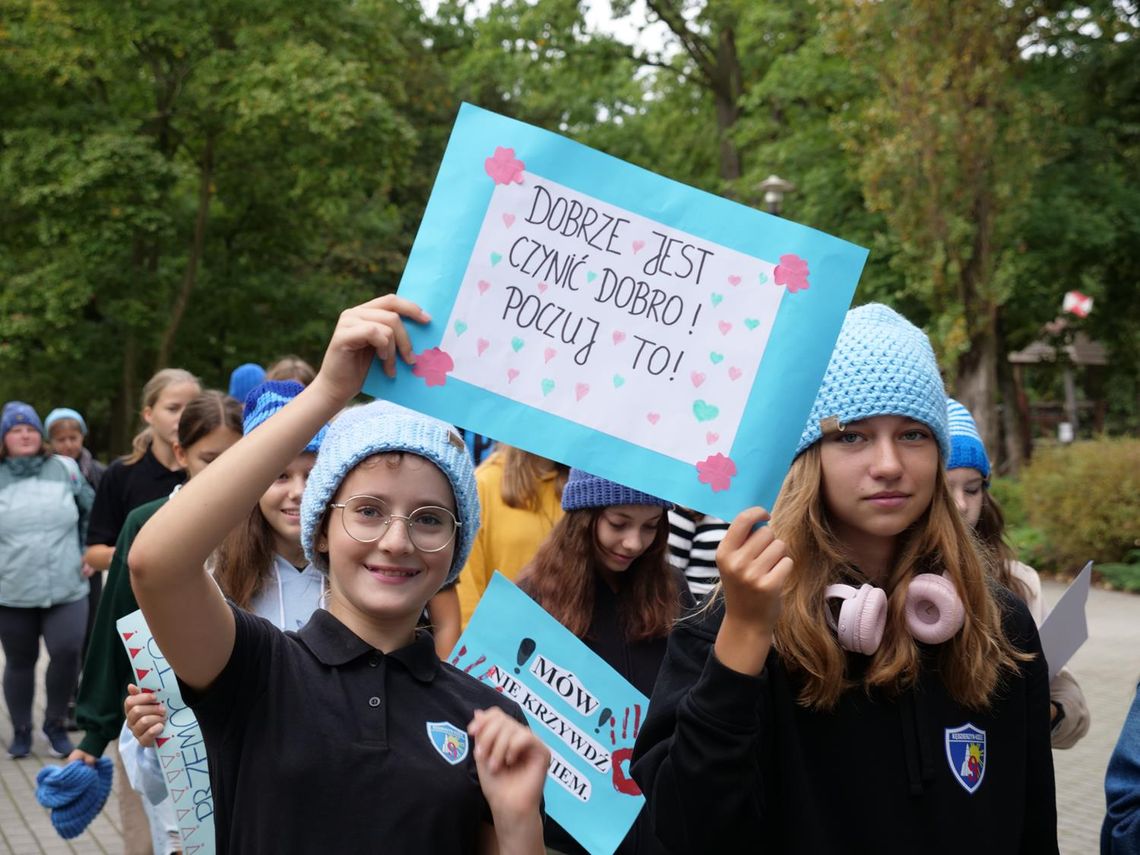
pixel 696 757
pixel 1040 824
pixel 108 513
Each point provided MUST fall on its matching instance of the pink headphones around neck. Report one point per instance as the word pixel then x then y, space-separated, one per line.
pixel 934 613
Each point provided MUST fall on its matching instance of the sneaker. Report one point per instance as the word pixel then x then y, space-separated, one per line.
pixel 21 743
pixel 56 734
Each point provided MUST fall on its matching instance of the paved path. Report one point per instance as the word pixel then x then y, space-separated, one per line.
pixel 1107 668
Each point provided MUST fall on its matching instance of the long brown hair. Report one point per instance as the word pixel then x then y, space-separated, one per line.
pixel 560 578
pixel 971 665
pixel 522 476
pixel 205 414
pixel 243 560
pixel 990 532
pixel 152 391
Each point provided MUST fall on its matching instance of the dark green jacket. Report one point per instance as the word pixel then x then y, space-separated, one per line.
pixel 107 670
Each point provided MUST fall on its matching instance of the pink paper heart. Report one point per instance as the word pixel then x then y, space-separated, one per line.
pixel 581 390
pixel 549 353
pixel 734 280
pixel 654 418
pixel 734 373
pixel 542 286
pixel 484 285
pixel 638 246
pixel 724 327
pixel 508 220
pixel 711 437
pixel 481 345
pixel 512 373
pixel 618 336
pixel 697 377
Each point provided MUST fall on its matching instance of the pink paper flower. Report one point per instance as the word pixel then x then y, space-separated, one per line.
pixel 793 272
pixel 504 167
pixel 433 365
pixel 716 471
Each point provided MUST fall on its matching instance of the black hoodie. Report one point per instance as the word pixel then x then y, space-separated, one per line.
pixel 730 762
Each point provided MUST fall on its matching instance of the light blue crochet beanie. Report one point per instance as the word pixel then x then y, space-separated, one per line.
pixel 74 793
pixel 882 365
pixel 359 433
pixel 64 413
pixel 966 448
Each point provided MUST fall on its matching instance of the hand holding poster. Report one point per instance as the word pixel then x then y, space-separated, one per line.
pixel 181 749
pixel 602 316
pixel 583 710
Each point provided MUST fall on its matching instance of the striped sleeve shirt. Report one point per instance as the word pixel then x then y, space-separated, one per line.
pixel 693 539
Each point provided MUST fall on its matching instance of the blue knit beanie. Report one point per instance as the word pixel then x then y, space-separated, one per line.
pixel 265 400
pixel 584 490
pixel 882 365
pixel 376 428
pixel 244 379
pixel 75 793
pixel 18 413
pixel 966 448
pixel 64 413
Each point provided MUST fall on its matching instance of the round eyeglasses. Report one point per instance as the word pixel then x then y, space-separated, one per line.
pixel 366 519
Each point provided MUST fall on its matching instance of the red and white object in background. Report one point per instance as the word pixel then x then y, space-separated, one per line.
pixel 1077 304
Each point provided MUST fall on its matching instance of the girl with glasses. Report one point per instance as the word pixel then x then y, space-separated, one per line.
pixel 349 735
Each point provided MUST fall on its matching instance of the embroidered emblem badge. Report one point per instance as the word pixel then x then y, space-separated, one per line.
pixel 448 740
pixel 966 753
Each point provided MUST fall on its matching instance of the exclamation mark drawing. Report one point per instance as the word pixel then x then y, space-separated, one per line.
pixel 526 649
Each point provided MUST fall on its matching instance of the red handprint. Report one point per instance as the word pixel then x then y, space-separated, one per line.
pixel 620 757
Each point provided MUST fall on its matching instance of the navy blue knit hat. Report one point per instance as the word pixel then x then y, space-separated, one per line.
pixel 966 448
pixel 584 490
pixel 361 432
pixel 19 413
pixel 882 365
pixel 75 793
pixel 265 400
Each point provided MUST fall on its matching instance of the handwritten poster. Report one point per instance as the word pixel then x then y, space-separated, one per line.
pixel 600 315
pixel 584 711
pixel 181 749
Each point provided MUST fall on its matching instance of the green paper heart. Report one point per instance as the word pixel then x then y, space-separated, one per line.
pixel 716 298
pixel 495 258
pixel 763 278
pixel 517 343
pixel 716 358
pixel 751 323
pixel 591 276
pixel 705 412
pixel 547 387
pixel 619 381
pixel 460 328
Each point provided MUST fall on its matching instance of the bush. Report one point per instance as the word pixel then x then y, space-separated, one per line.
pixel 1085 500
pixel 1008 494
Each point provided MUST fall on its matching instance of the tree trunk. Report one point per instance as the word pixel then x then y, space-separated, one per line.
pixel 977 385
pixel 1013 426
pixel 727 97
pixel 190 275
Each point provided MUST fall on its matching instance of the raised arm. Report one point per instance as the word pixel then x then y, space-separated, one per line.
pixel 184 608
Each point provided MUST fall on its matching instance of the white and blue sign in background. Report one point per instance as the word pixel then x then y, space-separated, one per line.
pixel 584 711
pixel 594 313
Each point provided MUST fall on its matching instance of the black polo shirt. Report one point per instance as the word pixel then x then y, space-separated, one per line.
pixel 124 487
pixel 319 743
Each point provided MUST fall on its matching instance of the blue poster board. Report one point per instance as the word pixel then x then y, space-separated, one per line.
pixel 594 313
pixel 584 711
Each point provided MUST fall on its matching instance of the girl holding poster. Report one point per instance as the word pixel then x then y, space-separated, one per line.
pixel 349 734
pixel 604 575
pixel 883 696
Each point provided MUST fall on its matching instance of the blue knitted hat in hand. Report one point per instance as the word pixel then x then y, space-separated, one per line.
pixel 265 400
pixel 882 365
pixel 966 448
pixel 18 413
pixel 64 413
pixel 584 490
pixel 377 428
pixel 74 793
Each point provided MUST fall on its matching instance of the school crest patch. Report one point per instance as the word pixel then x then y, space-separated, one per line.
pixel 966 753
pixel 448 740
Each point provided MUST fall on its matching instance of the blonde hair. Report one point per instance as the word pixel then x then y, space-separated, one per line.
pixel 291 368
pixel 971 664
pixel 152 391
pixel 522 476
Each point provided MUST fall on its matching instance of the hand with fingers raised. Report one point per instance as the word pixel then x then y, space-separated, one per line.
pixel 146 715
pixel 753 567
pixel 512 763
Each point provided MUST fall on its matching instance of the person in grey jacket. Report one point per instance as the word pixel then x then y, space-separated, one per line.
pixel 44 504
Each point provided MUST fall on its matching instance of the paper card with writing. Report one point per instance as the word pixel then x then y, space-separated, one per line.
pixel 584 711
pixel 597 314
pixel 180 748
